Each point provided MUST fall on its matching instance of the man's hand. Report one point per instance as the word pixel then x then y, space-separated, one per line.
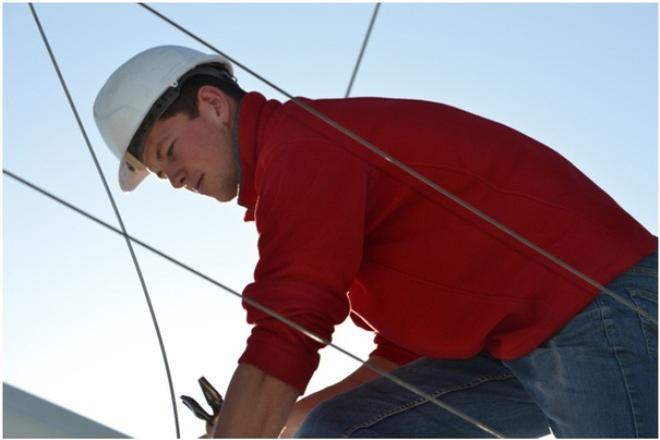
pixel 209 428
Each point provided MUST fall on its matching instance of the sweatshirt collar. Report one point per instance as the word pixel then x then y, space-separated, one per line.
pixel 253 116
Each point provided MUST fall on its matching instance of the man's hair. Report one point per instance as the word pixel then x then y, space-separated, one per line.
pixel 186 103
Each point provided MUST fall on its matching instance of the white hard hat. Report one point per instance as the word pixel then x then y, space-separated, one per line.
pixel 138 93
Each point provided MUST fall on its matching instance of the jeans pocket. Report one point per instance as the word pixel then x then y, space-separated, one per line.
pixel 648 301
pixel 648 271
pixel 643 295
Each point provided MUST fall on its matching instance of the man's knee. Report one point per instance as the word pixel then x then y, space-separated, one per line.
pixel 326 420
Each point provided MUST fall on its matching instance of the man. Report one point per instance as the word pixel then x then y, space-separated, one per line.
pixel 481 321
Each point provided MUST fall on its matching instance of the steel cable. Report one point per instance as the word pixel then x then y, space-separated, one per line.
pixel 116 210
pixel 410 171
pixel 364 46
pixel 257 305
pixel 384 156
pixel 283 319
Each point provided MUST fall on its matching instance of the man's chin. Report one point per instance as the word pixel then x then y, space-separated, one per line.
pixel 223 198
pixel 222 195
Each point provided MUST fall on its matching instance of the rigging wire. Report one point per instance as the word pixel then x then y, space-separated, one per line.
pixel 257 305
pixel 253 303
pixel 364 46
pixel 410 171
pixel 119 218
pixel 385 156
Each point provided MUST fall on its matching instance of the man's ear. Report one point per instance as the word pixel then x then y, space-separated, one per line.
pixel 210 98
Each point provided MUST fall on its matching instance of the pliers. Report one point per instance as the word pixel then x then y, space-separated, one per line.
pixel 213 398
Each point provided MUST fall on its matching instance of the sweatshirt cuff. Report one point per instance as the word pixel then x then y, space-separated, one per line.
pixel 287 362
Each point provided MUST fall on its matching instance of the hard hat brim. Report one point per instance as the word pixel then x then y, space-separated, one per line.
pixel 131 172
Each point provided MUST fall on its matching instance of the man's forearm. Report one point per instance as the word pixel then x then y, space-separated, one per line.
pixel 256 405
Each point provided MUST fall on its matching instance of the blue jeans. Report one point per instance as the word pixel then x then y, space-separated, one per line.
pixel 596 377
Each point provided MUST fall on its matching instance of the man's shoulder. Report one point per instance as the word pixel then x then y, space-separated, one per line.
pixel 358 102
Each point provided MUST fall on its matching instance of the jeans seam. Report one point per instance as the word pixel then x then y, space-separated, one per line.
pixel 642 270
pixel 618 361
pixel 642 320
pixel 415 403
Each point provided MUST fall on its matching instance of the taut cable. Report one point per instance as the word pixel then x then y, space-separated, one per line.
pixel 119 219
pixel 364 46
pixel 410 171
pixel 262 308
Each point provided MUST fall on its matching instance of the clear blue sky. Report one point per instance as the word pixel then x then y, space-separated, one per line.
pixel 581 78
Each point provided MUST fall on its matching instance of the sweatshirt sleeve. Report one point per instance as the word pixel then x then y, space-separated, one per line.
pixel 310 218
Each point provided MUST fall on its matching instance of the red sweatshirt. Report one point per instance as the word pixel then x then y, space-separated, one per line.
pixel 343 231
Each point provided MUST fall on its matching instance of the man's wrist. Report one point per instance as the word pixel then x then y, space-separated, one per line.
pixel 256 405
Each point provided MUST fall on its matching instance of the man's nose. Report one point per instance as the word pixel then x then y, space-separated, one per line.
pixel 178 179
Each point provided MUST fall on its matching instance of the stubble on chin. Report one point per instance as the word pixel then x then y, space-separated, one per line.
pixel 226 194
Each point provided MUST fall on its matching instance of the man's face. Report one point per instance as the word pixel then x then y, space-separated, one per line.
pixel 196 153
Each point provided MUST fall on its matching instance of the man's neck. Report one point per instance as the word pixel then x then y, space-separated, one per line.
pixel 234 138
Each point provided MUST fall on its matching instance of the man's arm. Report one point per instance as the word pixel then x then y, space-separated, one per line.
pixel 358 377
pixel 256 405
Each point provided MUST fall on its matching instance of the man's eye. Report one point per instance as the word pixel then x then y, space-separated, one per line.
pixel 170 152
